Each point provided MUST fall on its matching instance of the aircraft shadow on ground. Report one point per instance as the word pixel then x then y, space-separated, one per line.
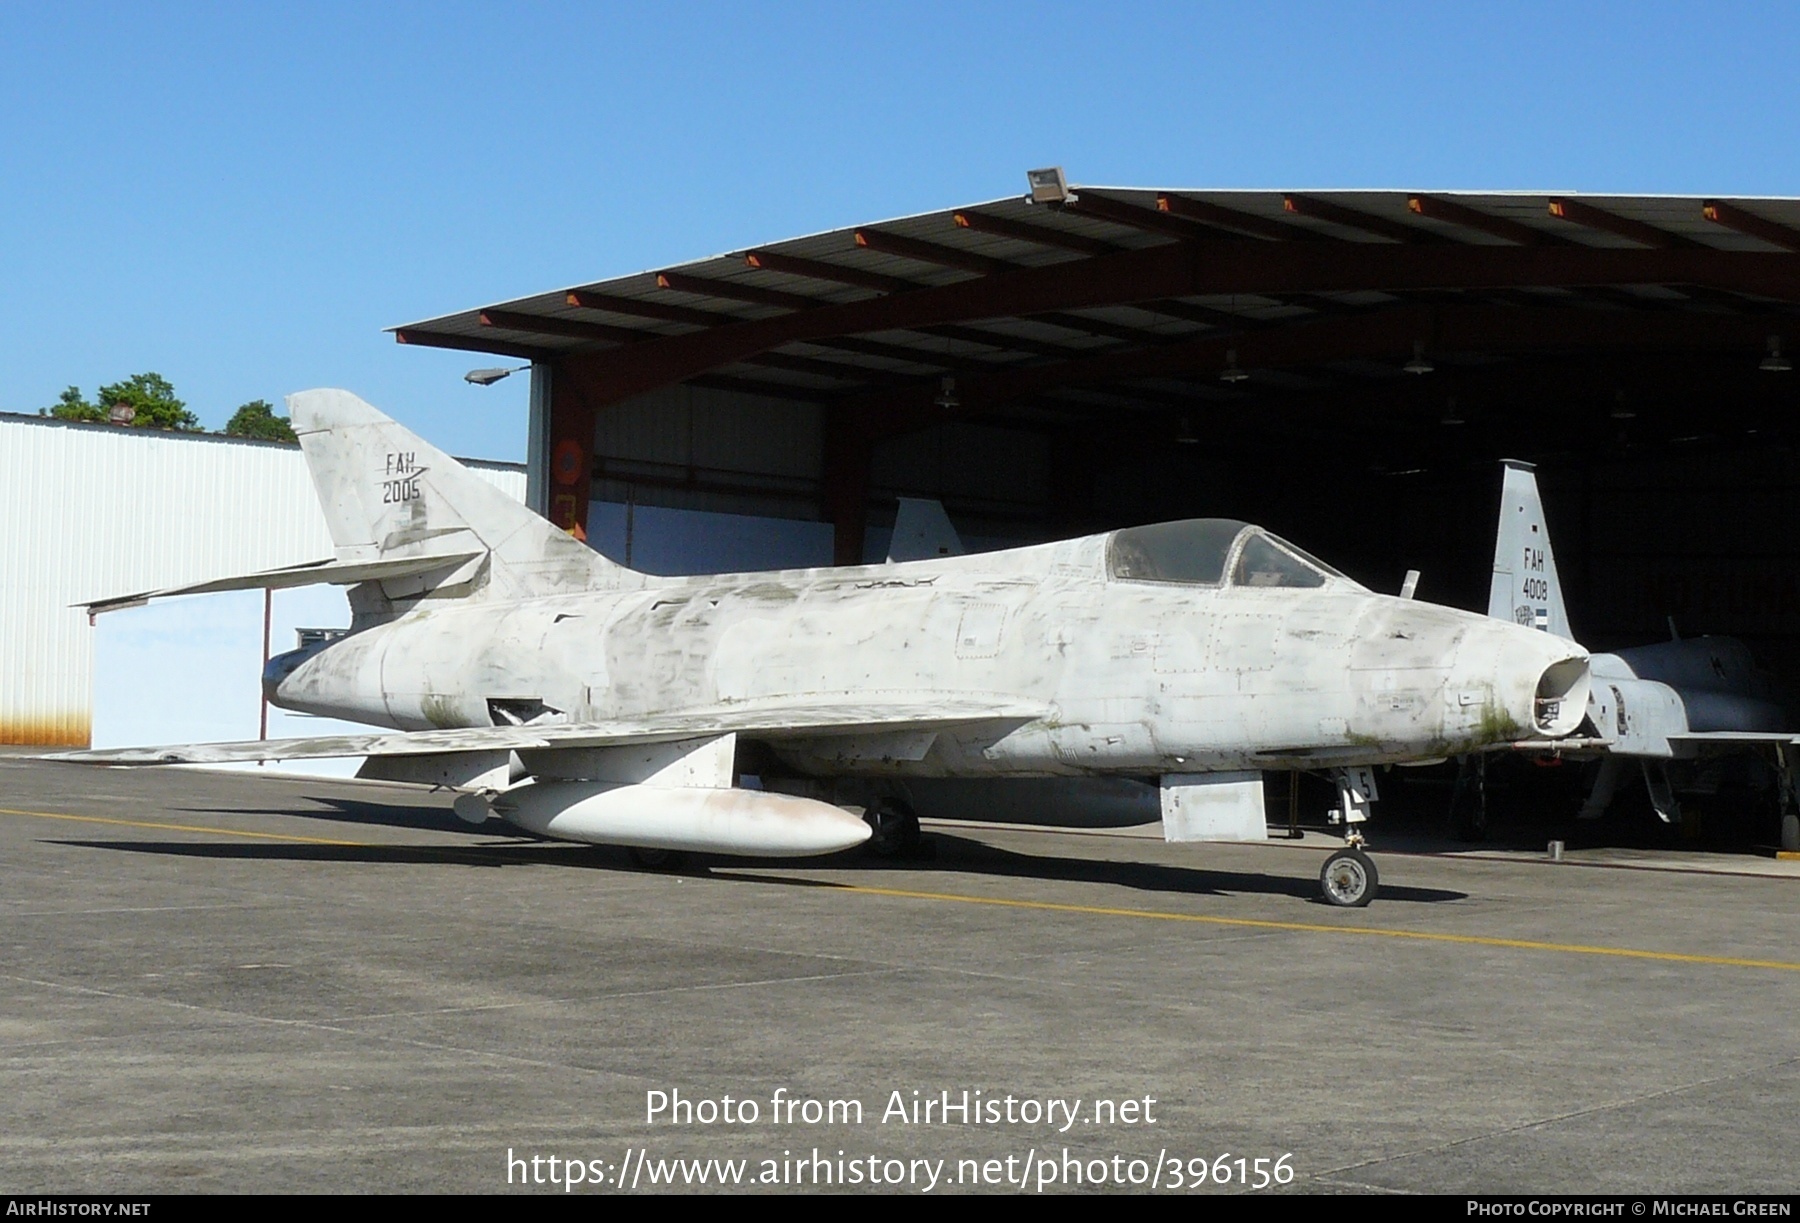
pixel 943 854
pixel 353 811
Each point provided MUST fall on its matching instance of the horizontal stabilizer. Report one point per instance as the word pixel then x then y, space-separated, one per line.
pixel 340 573
pixel 1695 745
pixel 764 720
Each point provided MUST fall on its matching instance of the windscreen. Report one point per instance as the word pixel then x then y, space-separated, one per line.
pixel 1261 562
pixel 1193 551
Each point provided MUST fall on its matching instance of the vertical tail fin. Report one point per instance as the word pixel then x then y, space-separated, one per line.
pixel 1525 588
pixel 922 530
pixel 388 494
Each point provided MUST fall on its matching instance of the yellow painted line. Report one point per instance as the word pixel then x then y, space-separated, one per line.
pixel 1048 906
pixel 221 832
pixel 1478 940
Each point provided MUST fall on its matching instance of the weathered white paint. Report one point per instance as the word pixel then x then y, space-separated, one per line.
pixel 1054 660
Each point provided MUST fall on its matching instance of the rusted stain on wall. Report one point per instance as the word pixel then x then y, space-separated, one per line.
pixel 50 730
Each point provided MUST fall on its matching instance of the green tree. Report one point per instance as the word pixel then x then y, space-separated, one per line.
pixel 71 406
pixel 257 419
pixel 154 400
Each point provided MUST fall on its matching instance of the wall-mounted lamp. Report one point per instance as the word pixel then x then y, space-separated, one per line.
pixel 487 377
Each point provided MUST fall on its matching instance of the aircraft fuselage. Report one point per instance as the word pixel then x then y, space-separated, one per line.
pixel 1144 677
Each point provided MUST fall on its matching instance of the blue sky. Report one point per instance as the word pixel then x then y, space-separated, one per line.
pixel 241 197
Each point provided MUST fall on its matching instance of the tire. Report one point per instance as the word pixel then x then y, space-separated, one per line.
pixel 1349 879
pixel 894 829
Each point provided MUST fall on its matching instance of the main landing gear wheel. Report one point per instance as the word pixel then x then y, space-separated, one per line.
pixel 1349 879
pixel 894 829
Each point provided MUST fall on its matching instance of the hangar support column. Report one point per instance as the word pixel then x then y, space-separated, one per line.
pixel 568 451
pixel 846 483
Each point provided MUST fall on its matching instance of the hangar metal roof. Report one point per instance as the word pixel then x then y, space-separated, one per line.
pixel 1124 293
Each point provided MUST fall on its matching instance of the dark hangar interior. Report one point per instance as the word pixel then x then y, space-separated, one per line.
pixel 1343 367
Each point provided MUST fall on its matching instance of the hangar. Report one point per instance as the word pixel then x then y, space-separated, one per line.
pixel 1345 367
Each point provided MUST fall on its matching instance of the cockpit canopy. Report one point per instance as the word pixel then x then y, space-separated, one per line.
pixel 1202 551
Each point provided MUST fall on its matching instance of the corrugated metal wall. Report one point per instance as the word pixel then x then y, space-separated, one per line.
pixel 88 511
pixel 700 448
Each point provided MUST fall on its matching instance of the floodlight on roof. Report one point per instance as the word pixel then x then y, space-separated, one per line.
pixel 1775 363
pixel 487 377
pixel 1048 186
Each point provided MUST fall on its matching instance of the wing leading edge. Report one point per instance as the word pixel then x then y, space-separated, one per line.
pixel 787 721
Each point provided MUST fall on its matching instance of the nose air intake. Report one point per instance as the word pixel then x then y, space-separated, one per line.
pixel 1562 697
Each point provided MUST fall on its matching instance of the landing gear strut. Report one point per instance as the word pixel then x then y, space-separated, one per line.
pixel 1349 879
pixel 1468 801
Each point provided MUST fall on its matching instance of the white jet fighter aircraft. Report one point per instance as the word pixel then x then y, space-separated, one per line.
pixel 579 699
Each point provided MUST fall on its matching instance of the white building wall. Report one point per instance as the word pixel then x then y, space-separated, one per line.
pixel 91 511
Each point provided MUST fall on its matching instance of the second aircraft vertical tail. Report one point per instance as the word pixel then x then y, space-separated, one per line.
pixel 1525 587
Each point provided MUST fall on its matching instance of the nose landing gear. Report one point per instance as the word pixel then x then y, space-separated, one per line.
pixel 1349 879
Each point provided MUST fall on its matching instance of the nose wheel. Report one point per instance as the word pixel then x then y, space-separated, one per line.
pixel 1349 879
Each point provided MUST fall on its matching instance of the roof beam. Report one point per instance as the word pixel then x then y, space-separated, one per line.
pixel 1732 217
pixel 1352 218
pixel 889 352
pixel 818 367
pixel 575 329
pixel 1449 211
pixel 642 308
pixel 1105 208
pixel 1494 329
pixel 1607 222
pixel 1001 227
pixel 1190 312
pixel 818 269
pixel 732 290
pixel 969 261
pixel 1091 326
pixel 1191 270
pixel 930 252
pixel 1220 217
pixel 771 390
pixel 1000 340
